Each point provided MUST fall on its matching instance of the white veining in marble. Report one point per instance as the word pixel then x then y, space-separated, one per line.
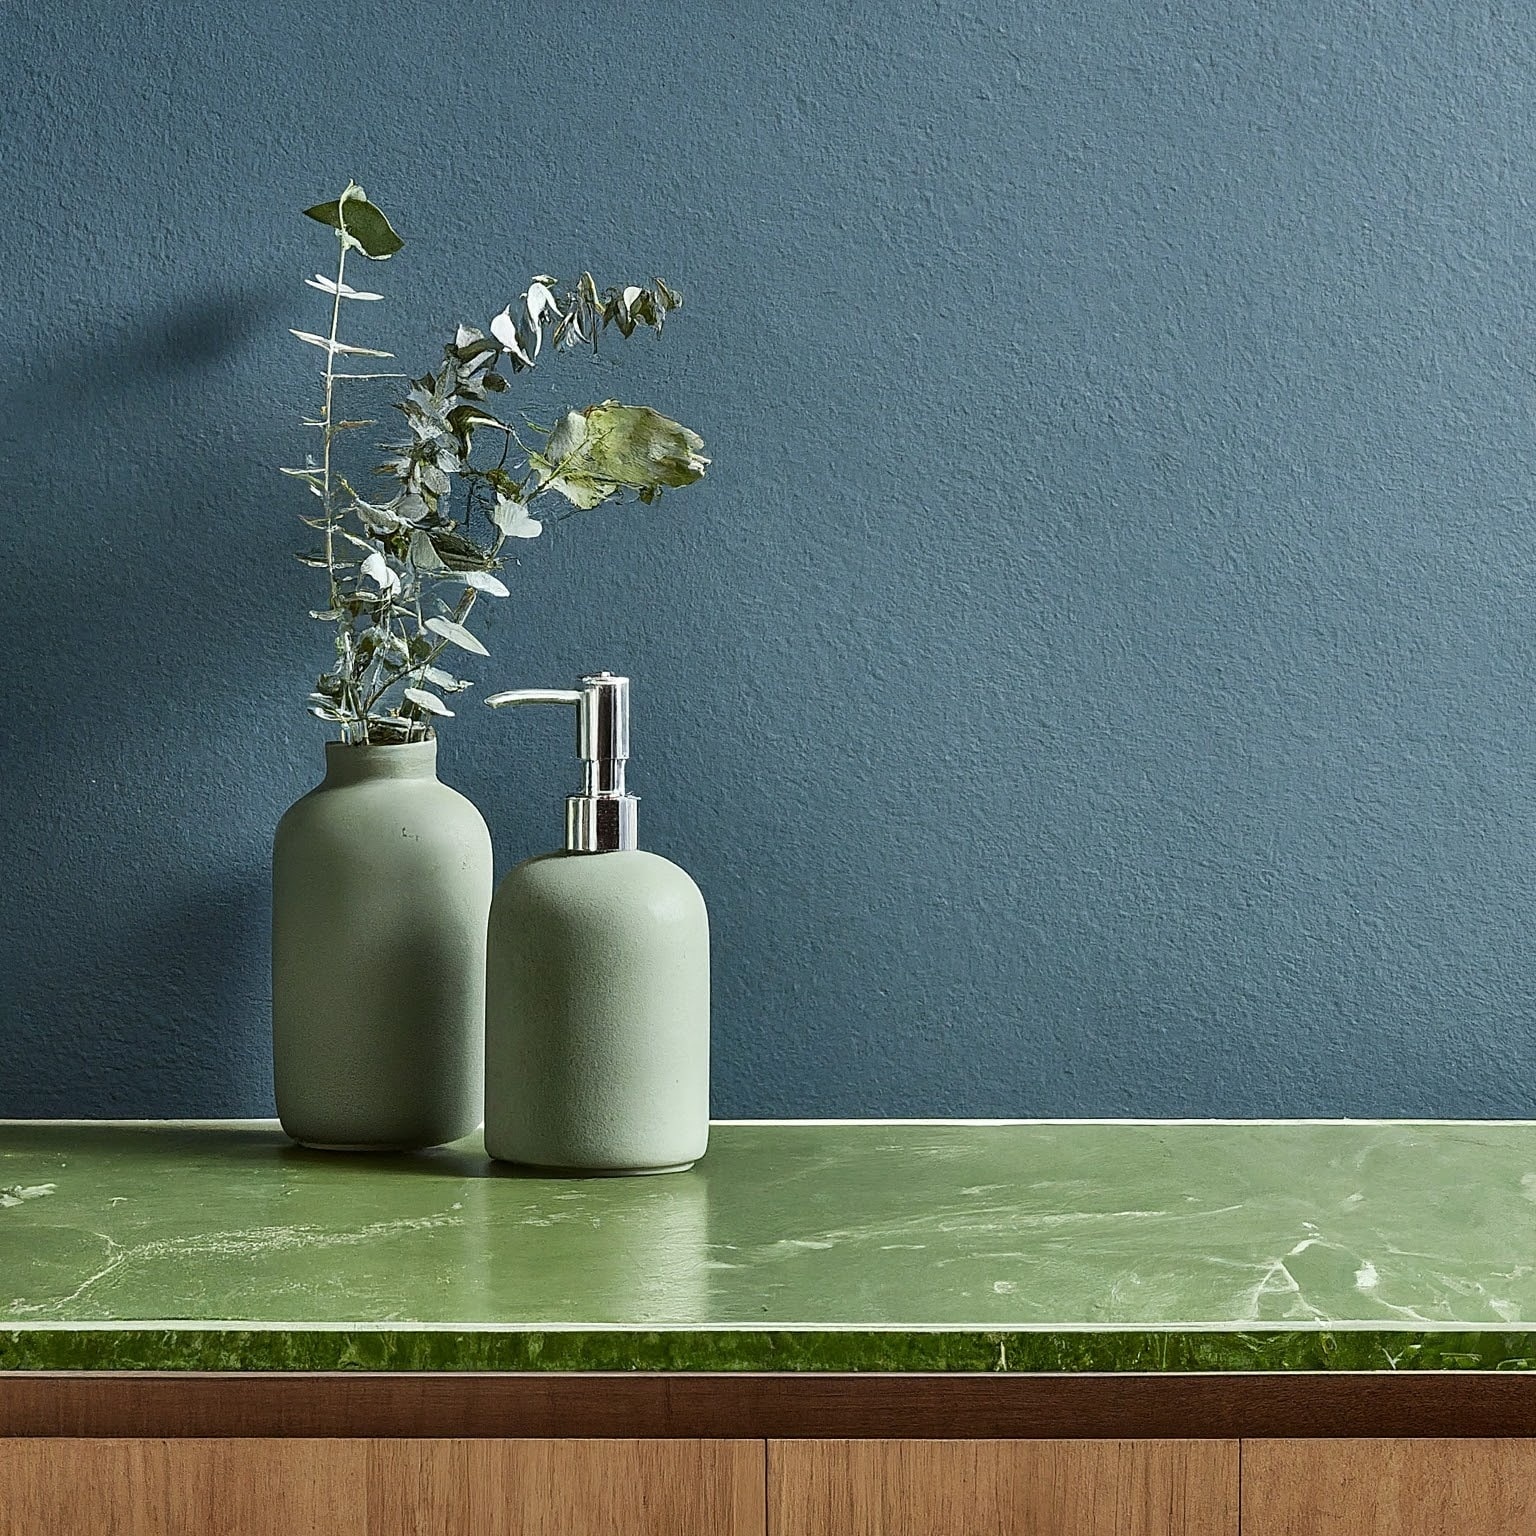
pixel 1023 1226
pixel 16 1193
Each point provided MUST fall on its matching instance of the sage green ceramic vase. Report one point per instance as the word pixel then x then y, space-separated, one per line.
pixel 381 886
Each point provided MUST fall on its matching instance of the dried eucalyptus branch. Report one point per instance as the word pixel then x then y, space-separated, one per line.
pixel 390 561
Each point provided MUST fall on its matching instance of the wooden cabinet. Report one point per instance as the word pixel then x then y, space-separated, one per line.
pixel 180 1487
pixel 1003 1487
pixel 566 1488
pixel 262 1487
pixel 1389 1487
pixel 744 1454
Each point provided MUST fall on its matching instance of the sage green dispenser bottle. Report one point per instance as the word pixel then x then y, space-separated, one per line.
pixel 597 979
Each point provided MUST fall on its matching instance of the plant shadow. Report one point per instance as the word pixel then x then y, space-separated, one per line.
pixel 141 785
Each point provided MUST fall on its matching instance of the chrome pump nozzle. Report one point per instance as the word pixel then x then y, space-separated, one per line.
pixel 603 818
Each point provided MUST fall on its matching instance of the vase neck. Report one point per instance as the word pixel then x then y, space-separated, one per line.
pixel 358 765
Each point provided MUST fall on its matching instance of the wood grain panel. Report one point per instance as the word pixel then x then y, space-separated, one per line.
pixel 252 1487
pixel 1389 1487
pixel 61 1487
pixel 1002 1488
pixel 566 1487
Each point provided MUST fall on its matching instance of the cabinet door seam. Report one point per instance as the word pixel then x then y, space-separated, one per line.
pixel 1242 1456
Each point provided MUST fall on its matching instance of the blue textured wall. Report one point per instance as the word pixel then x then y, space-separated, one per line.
pixel 1096 676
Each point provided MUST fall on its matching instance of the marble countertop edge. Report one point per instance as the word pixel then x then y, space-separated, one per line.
pixel 857 1245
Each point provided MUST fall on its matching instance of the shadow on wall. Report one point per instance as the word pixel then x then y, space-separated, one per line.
pixel 160 993
pixel 131 763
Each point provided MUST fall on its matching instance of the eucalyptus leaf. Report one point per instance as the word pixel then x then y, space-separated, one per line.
pixel 634 445
pixel 374 640
pixel 465 418
pixel 538 305
pixel 565 467
pixel 423 556
pixel 580 490
pixel 513 519
pixel 540 300
pixel 390 728
pixel 377 570
pixel 345 290
pixel 336 347
pixel 524 525
pixel 457 635
pixel 429 702
pixel 381 519
pixel 504 329
pixel 483 581
pixel 354 215
pixel 568 436
pixel 445 680
pixel 595 452
pixel 457 552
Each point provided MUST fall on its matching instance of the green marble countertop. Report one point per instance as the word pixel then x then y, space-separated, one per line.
pixel 945 1245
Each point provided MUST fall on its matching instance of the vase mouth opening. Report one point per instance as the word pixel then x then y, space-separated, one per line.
pixel 350 761
pixel 429 740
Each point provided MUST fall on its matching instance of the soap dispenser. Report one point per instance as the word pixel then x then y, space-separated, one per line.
pixel 597 979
